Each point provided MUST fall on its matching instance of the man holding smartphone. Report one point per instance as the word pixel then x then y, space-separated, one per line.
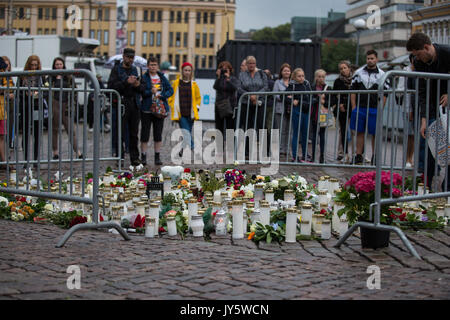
pixel 124 78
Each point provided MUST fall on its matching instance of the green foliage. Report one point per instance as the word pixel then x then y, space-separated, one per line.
pixel 169 199
pixel 62 219
pixel 208 221
pixel 334 51
pixel 268 233
pixel 278 217
pixel 279 33
pixel 210 182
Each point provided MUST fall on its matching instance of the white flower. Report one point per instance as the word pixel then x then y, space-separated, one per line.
pixel 253 228
pixel 236 163
pixel 48 207
pixel 57 175
pixel 4 200
pixel 20 216
pixel 131 168
pixel 139 167
pixel 273 184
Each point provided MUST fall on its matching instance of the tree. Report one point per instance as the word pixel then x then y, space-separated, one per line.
pixel 279 33
pixel 334 51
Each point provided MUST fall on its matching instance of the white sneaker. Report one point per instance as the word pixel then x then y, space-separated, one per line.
pixel 408 165
pixel 91 129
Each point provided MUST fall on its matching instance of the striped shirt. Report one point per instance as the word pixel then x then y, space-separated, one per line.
pixel 185 91
pixel 258 83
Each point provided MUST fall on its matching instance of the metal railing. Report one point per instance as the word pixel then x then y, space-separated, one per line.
pixel 430 88
pixel 29 103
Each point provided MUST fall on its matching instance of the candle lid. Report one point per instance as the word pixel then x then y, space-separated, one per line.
pixel 192 200
pixel 343 220
pixel 264 205
pixel 152 220
pixel 250 204
pixel 304 222
pixel 323 192
pixel 288 191
pixel 197 217
pixel 447 205
pixel 224 193
pixel 440 208
pixel 270 190
pixel 323 205
pixel 326 221
pixel 259 186
pixel 334 180
pixel 170 218
pixel 154 205
pixel 307 206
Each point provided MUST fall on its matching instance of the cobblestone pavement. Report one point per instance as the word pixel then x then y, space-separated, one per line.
pixel 166 268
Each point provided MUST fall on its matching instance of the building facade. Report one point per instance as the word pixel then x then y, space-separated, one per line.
pixel 434 20
pixel 389 40
pixel 176 31
pixel 305 27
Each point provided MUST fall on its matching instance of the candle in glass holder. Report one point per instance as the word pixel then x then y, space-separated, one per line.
pixel 335 220
pixel 291 225
pixel 326 230
pixel 238 219
pixel 334 185
pixel 171 226
pixel 192 209
pixel 327 183
pixel 149 227
pixel 440 211
pixel 259 194
pixel 220 223
pixel 317 223
pixel 140 208
pixel 289 195
pixel 323 198
pixel 269 196
pixel 218 174
pixel 322 183
pixel 265 213
pixel 307 212
pixel 255 216
pixel 447 210
pixel 167 183
pixel 197 225
pixel 217 196
pixel 305 228
pixel 154 213
pixel 225 198
pixel 343 227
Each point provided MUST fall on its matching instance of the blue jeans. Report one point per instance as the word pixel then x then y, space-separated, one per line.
pixel 187 123
pixel 303 119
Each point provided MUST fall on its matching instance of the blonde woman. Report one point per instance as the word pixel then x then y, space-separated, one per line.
pixel 184 103
pixel 318 107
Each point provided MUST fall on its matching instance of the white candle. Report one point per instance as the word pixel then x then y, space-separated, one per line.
pixel 265 214
pixel 217 196
pixel 154 214
pixel 291 226
pixel 238 217
pixel 305 228
pixel 269 196
pixel 323 198
pixel 447 210
pixel 343 227
pixel 335 221
pixel 149 227
pixel 289 195
pixel 307 213
pixel 192 209
pixel 167 184
pixel 172 226
pixel 326 230
pixel 322 183
pixel 256 216
pixel 440 211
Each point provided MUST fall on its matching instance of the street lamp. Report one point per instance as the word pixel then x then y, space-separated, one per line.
pixel 359 24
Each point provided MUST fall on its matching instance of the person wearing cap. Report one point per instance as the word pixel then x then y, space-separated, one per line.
pixel 184 102
pixel 124 78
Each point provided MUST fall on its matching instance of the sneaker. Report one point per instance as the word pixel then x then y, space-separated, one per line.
pixel 322 159
pixel 408 165
pixel 91 130
pixel 107 127
pixel 144 159
pixel 358 159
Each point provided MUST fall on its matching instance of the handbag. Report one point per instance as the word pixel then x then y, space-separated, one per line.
pixel 158 109
pixel 224 108
pixel 437 134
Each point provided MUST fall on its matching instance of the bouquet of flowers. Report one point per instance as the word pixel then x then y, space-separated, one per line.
pixel 235 178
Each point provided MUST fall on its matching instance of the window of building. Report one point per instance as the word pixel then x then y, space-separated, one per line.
pixel 39 31
pixel 2 12
pixel 158 57
pixel 46 31
pixel 132 14
pixel 178 39
pixel 27 30
pixel 185 40
pixel 172 16
pixel 28 13
pixel 92 34
pixel 212 18
pixel 53 13
pixel 53 31
pixel 211 62
pixel 159 16
pixel 158 39
pixel 47 13
pixel 199 17
pixel 144 55
pixel 144 38
pixel 179 16
pixel 184 58
pixel 177 61
pixel 105 37
pixel 21 13
pixel 211 40
pixel 186 17
pixel 203 62
pixel 205 17
pixel 132 38
pixel 170 39
pixel 99 36
pixel 145 15
pixel 171 58
pixel 40 13
pixel 152 16
pixel 66 32
pixel 93 14
pixel 100 14
pixel 152 39
pixel 106 14
pixel 204 40
pixel 196 61
pixel 197 40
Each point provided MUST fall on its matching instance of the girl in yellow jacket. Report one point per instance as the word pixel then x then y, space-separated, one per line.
pixel 184 103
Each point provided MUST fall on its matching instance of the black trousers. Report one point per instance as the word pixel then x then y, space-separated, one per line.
pixel 255 121
pixel 130 121
pixel 31 126
pixel 344 125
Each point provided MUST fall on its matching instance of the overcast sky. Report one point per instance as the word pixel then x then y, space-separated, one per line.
pixel 257 14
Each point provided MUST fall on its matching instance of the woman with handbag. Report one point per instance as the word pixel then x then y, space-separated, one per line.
pixel 154 108
pixel 320 107
pixel 281 113
pixel 184 103
pixel 60 109
pixel 226 86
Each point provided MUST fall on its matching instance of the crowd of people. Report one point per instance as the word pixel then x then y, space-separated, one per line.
pixel 149 98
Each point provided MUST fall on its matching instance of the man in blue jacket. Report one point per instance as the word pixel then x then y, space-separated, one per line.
pixel 157 91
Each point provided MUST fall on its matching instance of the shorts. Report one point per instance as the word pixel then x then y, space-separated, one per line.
pixel 361 113
pixel 2 127
pixel 147 119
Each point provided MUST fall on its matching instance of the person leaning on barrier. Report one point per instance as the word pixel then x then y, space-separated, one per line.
pixel 29 105
pixel 431 58
pixel 157 90
pixel 226 86
pixel 299 105
pixel 365 78
pixel 281 116
pixel 124 79
pixel 10 109
pixel 3 108
pixel 342 83
pixel 63 109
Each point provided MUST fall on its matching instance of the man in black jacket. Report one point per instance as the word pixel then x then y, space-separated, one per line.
pixel 431 58
pixel 124 78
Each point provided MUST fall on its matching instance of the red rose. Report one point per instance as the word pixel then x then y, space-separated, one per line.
pixel 323 211
pixel 101 218
pixel 77 220
pixel 139 222
pixel 161 229
pixel 187 170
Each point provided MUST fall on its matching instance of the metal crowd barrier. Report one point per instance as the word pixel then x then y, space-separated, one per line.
pixel 29 103
pixel 421 147
pixel 329 136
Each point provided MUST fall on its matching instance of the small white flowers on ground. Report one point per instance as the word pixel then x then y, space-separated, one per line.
pixel 4 201
pixel 57 175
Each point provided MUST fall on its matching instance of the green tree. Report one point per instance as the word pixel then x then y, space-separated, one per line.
pixel 279 33
pixel 333 51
